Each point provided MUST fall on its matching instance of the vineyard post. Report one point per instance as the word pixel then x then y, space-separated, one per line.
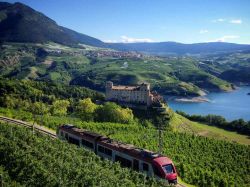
pixel 160 121
pixel 1 180
pixel 160 138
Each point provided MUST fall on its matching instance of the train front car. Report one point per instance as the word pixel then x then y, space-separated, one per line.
pixel 165 169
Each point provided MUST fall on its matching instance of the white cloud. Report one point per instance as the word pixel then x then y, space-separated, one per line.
pixel 219 20
pixel 126 39
pixel 236 21
pixel 233 21
pixel 225 38
pixel 203 31
pixel 110 41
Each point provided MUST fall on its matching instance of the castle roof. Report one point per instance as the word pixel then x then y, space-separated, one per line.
pixel 125 87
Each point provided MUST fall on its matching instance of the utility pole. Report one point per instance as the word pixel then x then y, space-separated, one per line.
pixel 161 122
pixel 160 138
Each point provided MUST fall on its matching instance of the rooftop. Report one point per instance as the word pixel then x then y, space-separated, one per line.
pixel 125 87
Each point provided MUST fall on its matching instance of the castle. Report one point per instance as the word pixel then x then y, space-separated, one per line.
pixel 132 95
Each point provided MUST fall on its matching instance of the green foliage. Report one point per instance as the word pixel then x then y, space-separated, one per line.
pixel 239 125
pixel 109 112
pixel 59 107
pixel 86 109
pixel 199 160
pixel 5 179
pixel 39 108
pixel 44 91
pixel 36 160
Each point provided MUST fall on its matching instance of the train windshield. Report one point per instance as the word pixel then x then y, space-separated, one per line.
pixel 168 168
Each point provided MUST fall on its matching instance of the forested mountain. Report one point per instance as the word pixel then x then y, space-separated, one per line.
pixel 20 23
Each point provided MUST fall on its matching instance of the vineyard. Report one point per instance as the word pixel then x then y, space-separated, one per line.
pixel 36 160
pixel 200 161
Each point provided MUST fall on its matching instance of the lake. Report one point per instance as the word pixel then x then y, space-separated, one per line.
pixel 230 105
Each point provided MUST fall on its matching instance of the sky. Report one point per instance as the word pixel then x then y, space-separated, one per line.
pixel 186 21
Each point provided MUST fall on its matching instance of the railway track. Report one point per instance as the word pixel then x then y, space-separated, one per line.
pixel 28 125
pixel 41 129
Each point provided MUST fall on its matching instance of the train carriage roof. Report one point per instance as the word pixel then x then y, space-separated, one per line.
pixel 141 154
pixel 81 132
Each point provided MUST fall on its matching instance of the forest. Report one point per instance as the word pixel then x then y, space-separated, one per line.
pixel 42 98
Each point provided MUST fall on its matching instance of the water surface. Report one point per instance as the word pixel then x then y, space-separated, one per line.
pixel 231 105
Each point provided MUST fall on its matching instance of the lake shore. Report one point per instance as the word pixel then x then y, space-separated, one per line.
pixel 231 105
pixel 193 100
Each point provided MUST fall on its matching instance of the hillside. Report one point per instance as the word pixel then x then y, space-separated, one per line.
pixel 20 23
pixel 195 157
pixel 36 160
pixel 91 67
pixel 44 103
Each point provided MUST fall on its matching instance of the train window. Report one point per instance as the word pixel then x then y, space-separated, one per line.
pixel 87 144
pixel 100 149
pixel 136 165
pixel 145 167
pixel 105 151
pixel 66 136
pixel 168 168
pixel 108 152
pixel 61 133
pixel 123 161
pixel 74 141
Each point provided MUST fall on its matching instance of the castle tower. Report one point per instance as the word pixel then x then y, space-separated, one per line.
pixel 108 89
pixel 145 87
pixel 109 85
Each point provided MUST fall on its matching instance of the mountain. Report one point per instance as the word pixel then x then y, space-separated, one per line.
pixel 166 48
pixel 20 23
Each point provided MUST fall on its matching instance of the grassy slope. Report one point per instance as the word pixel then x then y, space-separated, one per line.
pixel 182 124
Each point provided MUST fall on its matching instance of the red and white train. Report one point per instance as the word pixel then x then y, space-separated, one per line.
pixel 152 164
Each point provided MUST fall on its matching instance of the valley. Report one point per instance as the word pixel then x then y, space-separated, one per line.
pixel 91 67
pixel 51 75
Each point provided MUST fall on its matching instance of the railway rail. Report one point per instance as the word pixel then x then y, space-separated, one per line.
pixel 28 125
pixel 43 130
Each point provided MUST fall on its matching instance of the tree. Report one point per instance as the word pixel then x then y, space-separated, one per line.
pixel 59 107
pixel 39 108
pixel 111 112
pixel 85 109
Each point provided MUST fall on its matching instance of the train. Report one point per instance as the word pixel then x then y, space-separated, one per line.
pixel 141 160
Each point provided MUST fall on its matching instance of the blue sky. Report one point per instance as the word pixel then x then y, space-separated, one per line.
pixel 186 21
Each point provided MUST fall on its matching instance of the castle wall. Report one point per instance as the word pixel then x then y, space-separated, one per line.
pixel 139 95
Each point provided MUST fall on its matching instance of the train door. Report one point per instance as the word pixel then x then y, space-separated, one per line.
pixel 136 165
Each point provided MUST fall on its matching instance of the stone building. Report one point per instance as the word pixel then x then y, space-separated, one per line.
pixel 133 95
